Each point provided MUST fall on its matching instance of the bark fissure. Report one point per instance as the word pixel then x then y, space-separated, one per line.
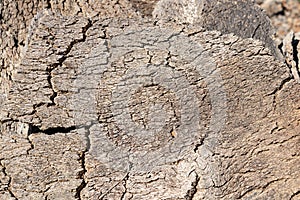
pixel 278 89
pixel 62 59
pixel 191 193
pixel 254 32
pixel 283 82
pixel 295 44
pixel 276 128
pixel 52 130
pixel 201 142
pixel 82 159
pixel 253 188
pixel 81 176
pixel 113 55
pixel 103 195
pixel 294 195
pixel 30 142
pixel 125 186
pixel 8 188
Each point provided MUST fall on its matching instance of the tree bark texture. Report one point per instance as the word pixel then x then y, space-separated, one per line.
pixel 102 100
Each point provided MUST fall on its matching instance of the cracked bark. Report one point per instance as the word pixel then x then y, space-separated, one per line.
pixel 295 195
pixel 7 187
pixel 81 176
pixel 63 125
pixel 63 58
pixel 290 48
pixel 191 193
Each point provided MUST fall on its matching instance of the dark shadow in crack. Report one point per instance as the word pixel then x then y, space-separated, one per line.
pixel 50 131
pixel 295 43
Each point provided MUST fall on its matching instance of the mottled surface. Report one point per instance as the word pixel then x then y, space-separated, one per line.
pixel 134 109
pixel 284 14
pixel 19 18
pixel 241 17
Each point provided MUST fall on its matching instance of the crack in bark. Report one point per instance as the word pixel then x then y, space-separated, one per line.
pixel 283 82
pixel 80 9
pixel 286 140
pixel 81 176
pixel 51 131
pixel 274 93
pixel 82 158
pixel 125 186
pixel 30 142
pixel 62 59
pixel 295 43
pixel 112 187
pixel 222 184
pixel 191 193
pixel 54 95
pixel 9 182
pixel 252 188
pixel 275 128
pixel 201 142
pixel 271 182
pixel 294 194
pixel 289 50
pixel 254 32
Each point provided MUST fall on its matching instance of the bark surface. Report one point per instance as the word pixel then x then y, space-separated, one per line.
pixel 102 101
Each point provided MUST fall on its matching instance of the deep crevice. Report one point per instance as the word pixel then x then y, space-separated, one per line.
pixel 191 193
pixel 50 131
pixel 10 192
pixel 82 158
pixel 247 191
pixel 199 145
pixel 280 46
pixel 62 59
pixel 295 43
pixel 282 12
pixel 16 41
pixel 274 129
pixel 54 94
pixel 81 176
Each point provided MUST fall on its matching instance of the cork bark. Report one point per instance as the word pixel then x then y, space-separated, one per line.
pixel 104 101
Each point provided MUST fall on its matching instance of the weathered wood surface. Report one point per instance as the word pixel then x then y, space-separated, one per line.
pixel 112 104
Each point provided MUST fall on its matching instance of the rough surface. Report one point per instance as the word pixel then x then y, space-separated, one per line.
pixel 144 7
pixel 291 51
pixel 243 17
pixel 284 14
pixel 134 109
pixel 40 165
pixel 19 18
pixel 254 136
